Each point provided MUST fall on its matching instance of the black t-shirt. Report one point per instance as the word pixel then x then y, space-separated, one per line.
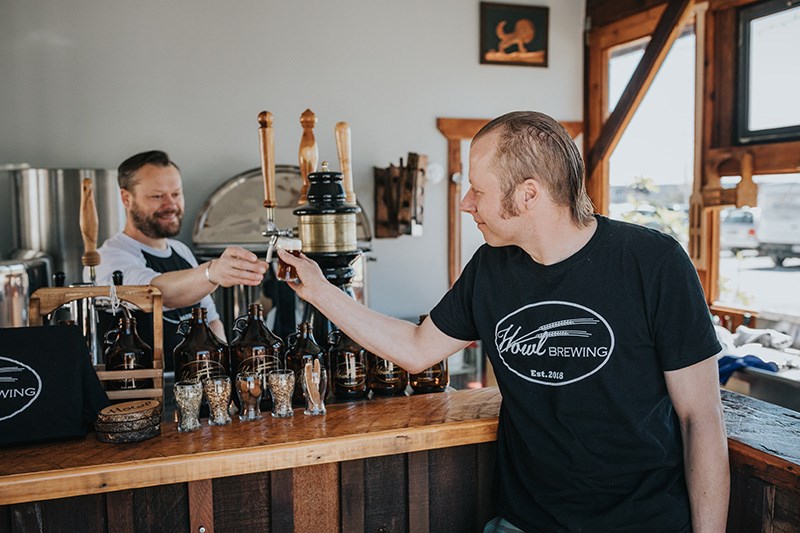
pixel 588 439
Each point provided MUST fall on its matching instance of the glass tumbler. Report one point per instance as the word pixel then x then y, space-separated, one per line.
pixel 281 386
pixel 248 387
pixel 286 272
pixel 314 382
pixel 188 396
pixel 218 394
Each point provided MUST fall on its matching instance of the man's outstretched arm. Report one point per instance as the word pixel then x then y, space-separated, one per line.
pixel 413 347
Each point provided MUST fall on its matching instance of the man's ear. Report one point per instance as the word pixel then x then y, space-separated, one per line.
pixel 125 196
pixel 530 192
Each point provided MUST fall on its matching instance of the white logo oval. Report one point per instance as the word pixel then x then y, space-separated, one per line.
pixel 20 385
pixel 554 343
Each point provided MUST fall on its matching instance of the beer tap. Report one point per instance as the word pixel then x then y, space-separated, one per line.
pixel 90 258
pixel 342 133
pixel 266 136
pixel 308 154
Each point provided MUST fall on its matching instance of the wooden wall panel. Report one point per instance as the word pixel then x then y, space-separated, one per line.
pixel 386 494
pixel 78 514
pixel 418 493
pixel 82 513
pixel 351 495
pixel 786 513
pixel 242 503
pixel 5 519
pixel 316 498
pixel 281 501
pixel 453 471
pixel 26 517
pixel 163 508
pixel 201 505
pixel 119 511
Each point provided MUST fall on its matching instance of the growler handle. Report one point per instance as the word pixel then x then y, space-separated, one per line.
pixel 183 327
pixel 333 337
pixel 107 338
pixel 239 324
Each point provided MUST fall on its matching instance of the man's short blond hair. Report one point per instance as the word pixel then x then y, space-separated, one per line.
pixel 532 145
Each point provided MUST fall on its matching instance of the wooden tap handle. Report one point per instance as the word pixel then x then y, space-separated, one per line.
pixel 308 153
pixel 342 133
pixel 266 136
pixel 89 223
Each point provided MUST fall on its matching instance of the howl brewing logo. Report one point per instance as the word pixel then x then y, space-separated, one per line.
pixel 20 385
pixel 554 343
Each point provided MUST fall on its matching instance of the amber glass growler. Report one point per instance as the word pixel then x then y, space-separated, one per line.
pixel 255 349
pixel 435 378
pixel 385 378
pixel 125 350
pixel 301 348
pixel 348 367
pixel 201 354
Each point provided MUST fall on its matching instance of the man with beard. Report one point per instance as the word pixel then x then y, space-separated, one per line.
pixel 145 253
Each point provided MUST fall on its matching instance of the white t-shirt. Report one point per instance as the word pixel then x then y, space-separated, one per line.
pixel 124 253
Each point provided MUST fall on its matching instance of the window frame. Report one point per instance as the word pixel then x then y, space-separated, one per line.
pixel 745 135
pixel 718 152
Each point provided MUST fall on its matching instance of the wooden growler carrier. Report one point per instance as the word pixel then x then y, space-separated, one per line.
pixel 44 301
pixel 147 298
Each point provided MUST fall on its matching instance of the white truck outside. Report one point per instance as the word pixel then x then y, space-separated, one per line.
pixel 778 227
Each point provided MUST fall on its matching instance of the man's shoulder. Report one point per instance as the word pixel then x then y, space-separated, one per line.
pixel 120 242
pixel 638 237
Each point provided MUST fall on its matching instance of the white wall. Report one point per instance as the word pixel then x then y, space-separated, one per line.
pixel 86 83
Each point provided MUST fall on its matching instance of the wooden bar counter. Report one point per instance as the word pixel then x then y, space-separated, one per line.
pixel 420 463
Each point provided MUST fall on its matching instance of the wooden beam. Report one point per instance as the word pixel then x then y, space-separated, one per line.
pixel 603 12
pixel 667 30
pixel 721 5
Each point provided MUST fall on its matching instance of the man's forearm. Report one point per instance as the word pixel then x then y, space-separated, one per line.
pixel 397 340
pixel 183 288
pixel 707 473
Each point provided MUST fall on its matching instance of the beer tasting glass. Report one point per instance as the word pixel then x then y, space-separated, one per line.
pixel 218 394
pixel 188 396
pixel 248 387
pixel 281 386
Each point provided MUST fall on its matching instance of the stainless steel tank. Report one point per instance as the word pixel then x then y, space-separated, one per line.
pixel 18 279
pixel 45 211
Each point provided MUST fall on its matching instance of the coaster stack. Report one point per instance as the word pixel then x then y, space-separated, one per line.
pixel 129 421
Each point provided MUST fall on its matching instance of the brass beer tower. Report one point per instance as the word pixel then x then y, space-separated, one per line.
pixel 326 212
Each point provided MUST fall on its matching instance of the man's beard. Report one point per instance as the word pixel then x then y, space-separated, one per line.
pixel 155 228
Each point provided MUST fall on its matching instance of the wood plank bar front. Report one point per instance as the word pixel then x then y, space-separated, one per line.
pixel 420 463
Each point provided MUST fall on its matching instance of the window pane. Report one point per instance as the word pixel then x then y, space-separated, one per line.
pixel 651 170
pixel 774 70
pixel 759 266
